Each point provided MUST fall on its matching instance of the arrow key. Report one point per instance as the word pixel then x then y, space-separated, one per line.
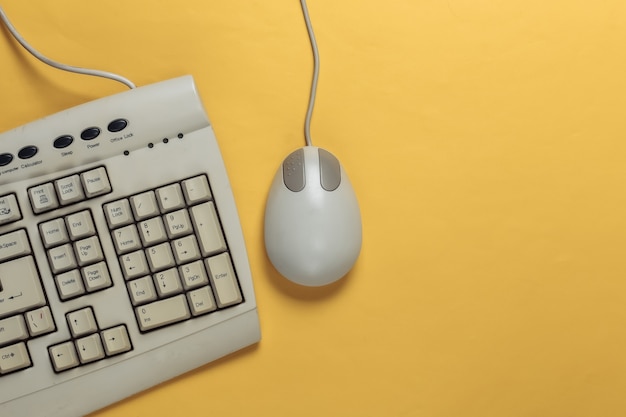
pixel 116 340
pixel 82 322
pixel 90 348
pixel 63 356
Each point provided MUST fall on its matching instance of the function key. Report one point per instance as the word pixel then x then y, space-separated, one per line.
pixel 5 159
pixel 117 125
pixel 90 133
pixel 63 141
pixel 27 152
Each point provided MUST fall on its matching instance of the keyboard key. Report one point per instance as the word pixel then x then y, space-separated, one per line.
pixel 95 182
pixel 96 277
pixel 80 225
pixel 126 239
pixel 88 251
pixel 69 284
pixel 134 264
pixel 163 312
pixel 40 321
pixel 118 213
pixel 13 329
pixel 160 257
pixel 170 198
pixel 196 190
pixel 20 286
pixel 116 340
pixel 62 258
pixel 53 232
pixel 82 322
pixel 177 223
pixel 142 290
pixel 168 282
pixel 14 244
pixel 69 190
pixel 186 249
pixel 208 228
pixel 194 275
pixel 90 348
pixel 201 301
pixel 43 197
pixel 144 205
pixel 152 231
pixel 14 357
pixel 223 280
pixel 9 209
pixel 63 356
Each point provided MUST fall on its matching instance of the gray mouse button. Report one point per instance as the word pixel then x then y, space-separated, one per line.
pixel 330 171
pixel 293 171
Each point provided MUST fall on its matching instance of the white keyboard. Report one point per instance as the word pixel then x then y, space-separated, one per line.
pixel 122 261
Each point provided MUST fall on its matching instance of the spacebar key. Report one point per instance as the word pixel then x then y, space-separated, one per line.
pixel 163 312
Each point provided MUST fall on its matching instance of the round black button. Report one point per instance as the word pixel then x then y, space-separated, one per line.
pixel 117 125
pixel 90 133
pixel 5 159
pixel 27 152
pixel 63 141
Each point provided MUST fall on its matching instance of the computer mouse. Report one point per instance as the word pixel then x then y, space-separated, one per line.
pixel 312 219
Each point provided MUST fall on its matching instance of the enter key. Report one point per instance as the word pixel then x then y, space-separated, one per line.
pixel 20 287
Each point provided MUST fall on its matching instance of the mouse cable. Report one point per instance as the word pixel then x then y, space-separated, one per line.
pixel 316 72
pixel 58 65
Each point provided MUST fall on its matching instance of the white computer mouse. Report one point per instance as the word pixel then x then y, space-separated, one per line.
pixel 312 219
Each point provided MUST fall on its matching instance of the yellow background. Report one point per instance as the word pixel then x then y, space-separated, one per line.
pixel 486 142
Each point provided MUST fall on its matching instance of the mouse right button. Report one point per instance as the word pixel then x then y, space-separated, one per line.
pixel 330 171
pixel 293 171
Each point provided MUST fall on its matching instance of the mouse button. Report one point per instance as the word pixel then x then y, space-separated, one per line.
pixel 330 171
pixel 293 171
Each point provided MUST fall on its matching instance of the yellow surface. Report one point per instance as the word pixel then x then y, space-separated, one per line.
pixel 486 141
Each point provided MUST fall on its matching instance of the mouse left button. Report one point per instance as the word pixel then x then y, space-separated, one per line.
pixel 293 171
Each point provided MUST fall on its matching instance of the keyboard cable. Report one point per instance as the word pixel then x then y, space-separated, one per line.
pixel 58 65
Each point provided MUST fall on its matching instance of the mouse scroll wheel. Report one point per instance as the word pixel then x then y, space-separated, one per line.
pixel 293 171
pixel 330 171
